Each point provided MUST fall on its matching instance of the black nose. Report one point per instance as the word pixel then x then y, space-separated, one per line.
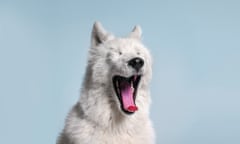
pixel 136 63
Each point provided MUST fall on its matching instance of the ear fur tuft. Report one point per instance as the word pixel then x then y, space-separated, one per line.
pixel 99 34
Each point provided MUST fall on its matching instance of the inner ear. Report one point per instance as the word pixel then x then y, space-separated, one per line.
pixel 97 39
pixel 136 32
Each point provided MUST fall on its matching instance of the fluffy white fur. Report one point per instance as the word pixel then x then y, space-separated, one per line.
pixel 97 117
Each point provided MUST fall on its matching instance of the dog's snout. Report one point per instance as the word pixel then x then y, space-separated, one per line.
pixel 136 63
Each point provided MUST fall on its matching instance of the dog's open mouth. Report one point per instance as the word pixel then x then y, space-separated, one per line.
pixel 126 90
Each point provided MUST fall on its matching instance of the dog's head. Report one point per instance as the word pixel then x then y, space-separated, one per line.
pixel 121 64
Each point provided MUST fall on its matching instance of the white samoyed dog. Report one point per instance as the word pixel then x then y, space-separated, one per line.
pixel 115 98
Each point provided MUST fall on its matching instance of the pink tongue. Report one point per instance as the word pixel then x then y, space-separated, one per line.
pixel 127 97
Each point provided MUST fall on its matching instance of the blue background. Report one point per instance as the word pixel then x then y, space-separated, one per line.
pixel 196 79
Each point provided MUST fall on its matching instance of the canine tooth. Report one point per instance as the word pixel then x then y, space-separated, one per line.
pixel 132 88
pixel 135 77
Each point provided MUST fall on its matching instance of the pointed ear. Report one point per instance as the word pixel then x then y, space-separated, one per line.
pixel 99 34
pixel 136 33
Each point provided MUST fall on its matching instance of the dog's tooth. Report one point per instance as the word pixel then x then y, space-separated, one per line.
pixel 132 88
pixel 135 77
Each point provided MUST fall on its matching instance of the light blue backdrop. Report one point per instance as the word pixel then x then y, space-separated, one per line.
pixel 196 50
